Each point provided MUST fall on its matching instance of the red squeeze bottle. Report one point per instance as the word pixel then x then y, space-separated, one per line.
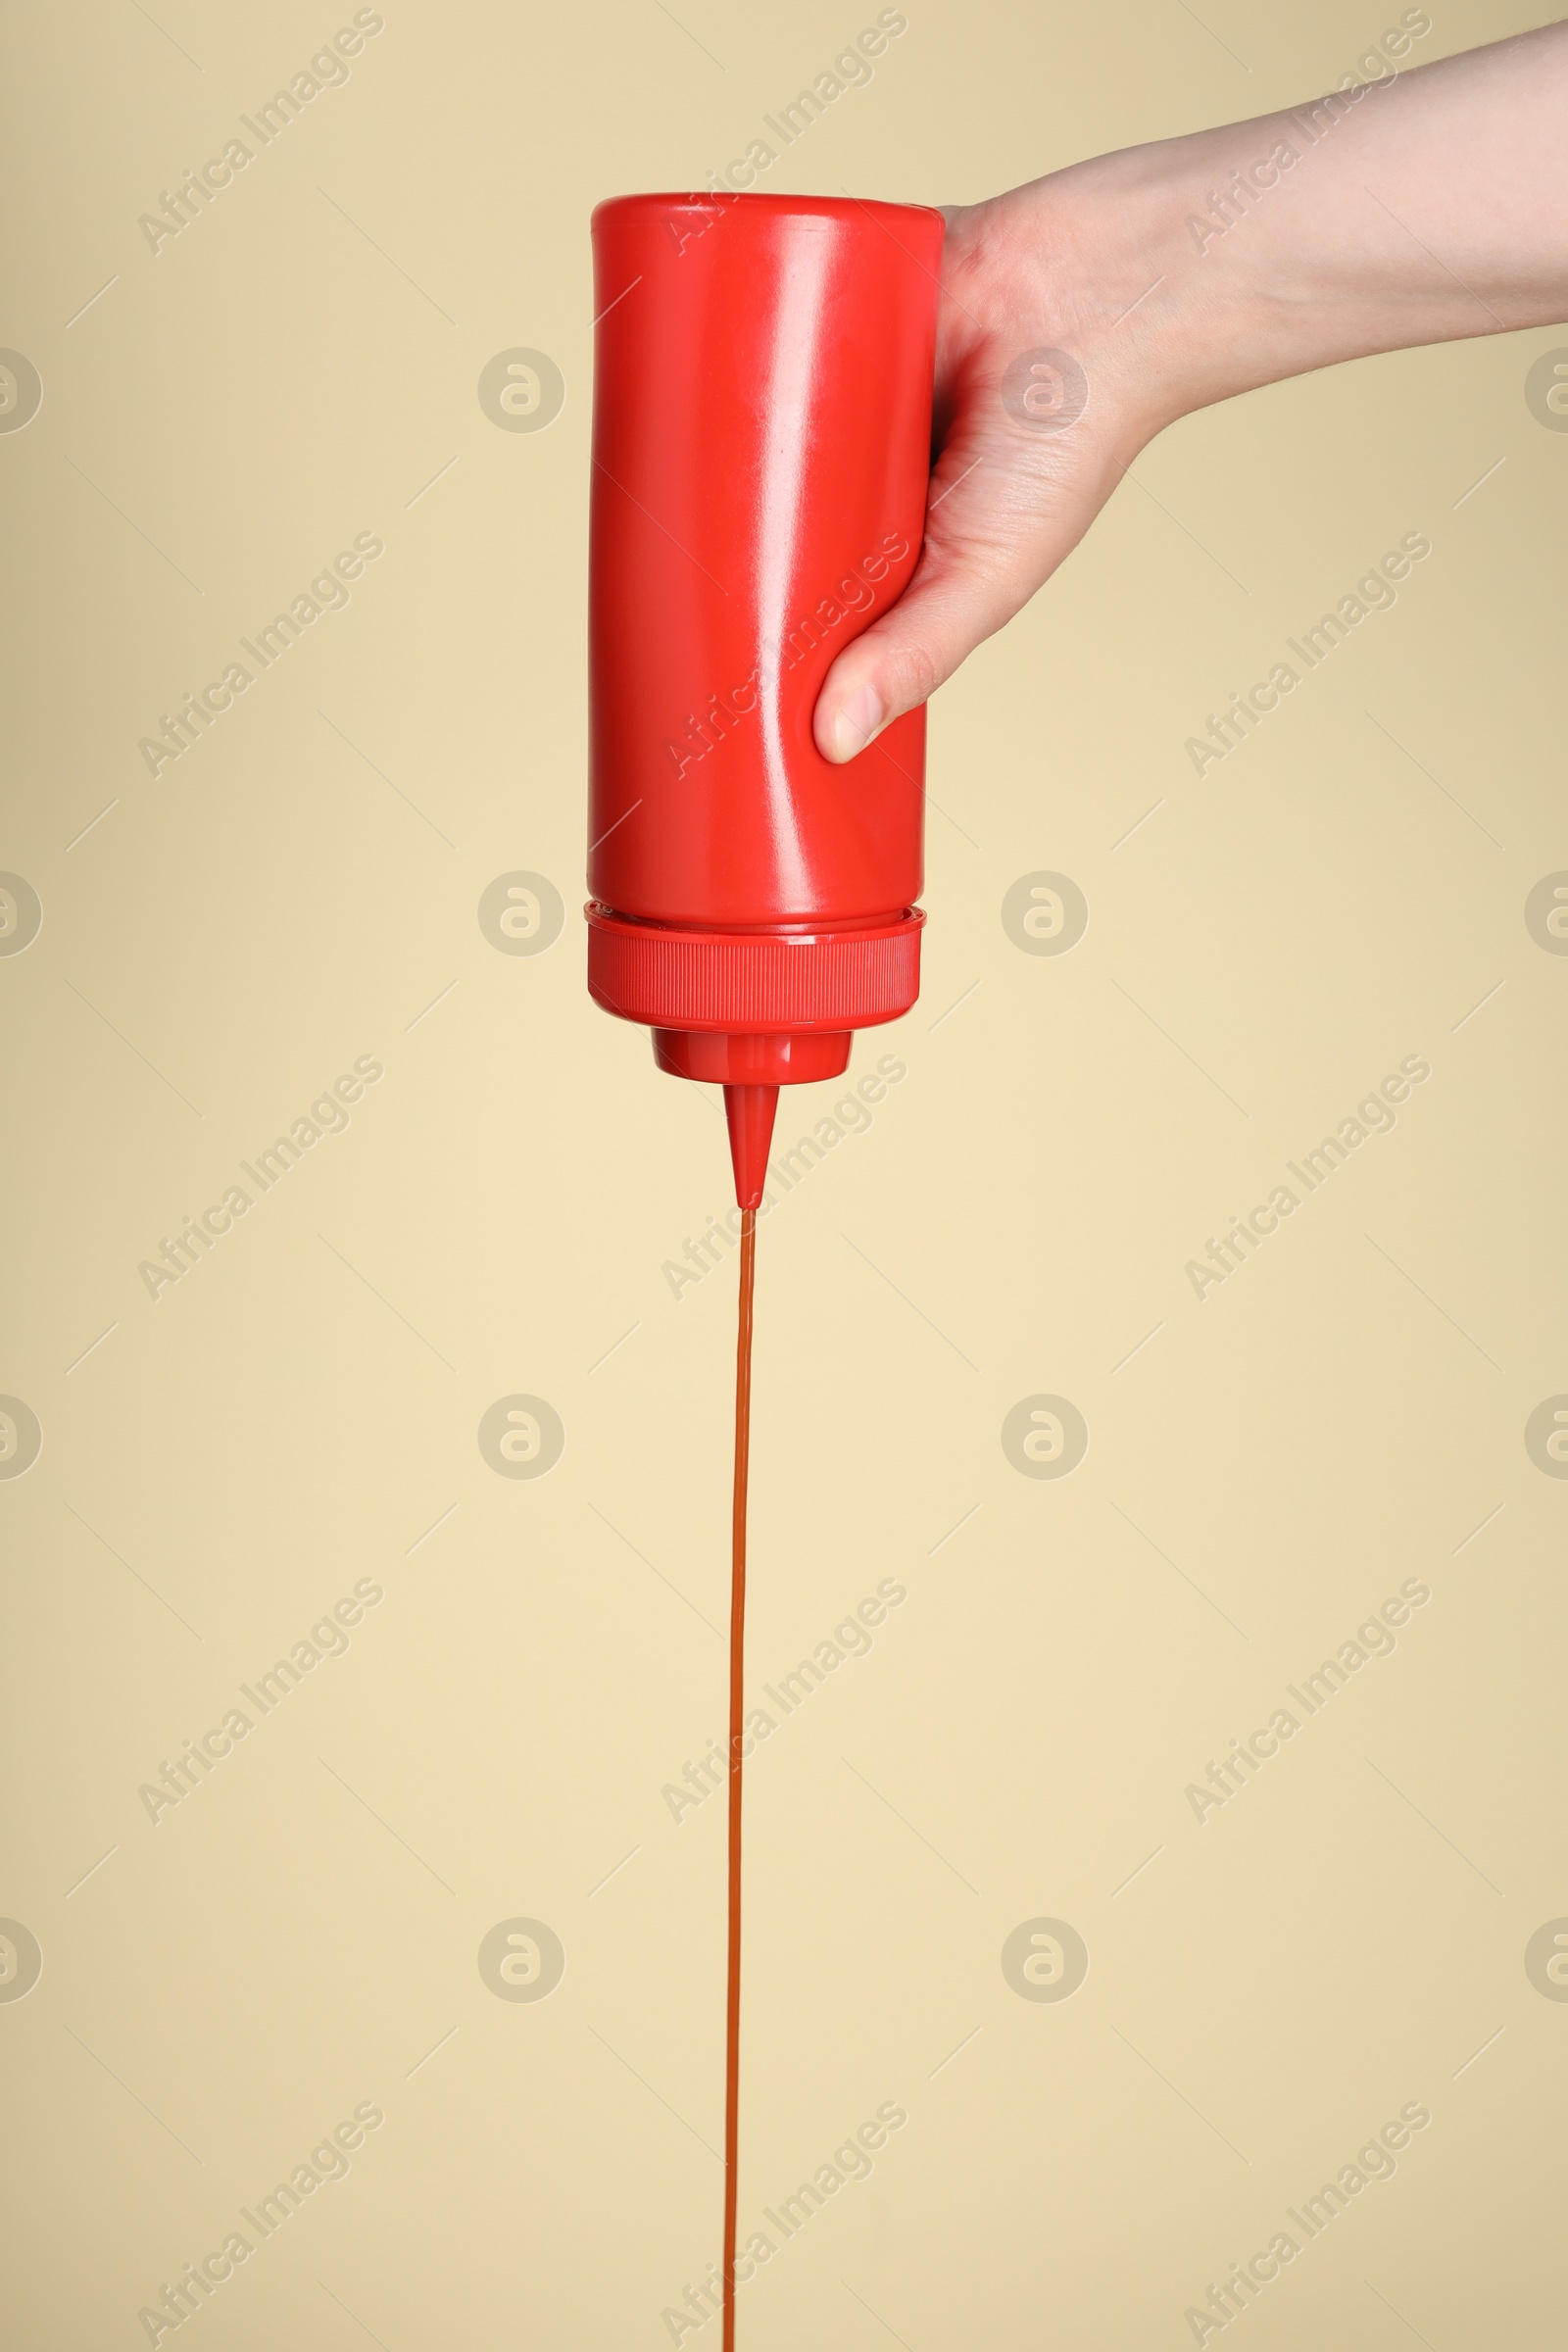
pixel 760 452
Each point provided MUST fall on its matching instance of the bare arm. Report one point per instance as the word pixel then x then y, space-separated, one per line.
pixel 1419 209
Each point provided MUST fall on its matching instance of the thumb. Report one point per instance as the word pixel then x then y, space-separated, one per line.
pixel 1000 520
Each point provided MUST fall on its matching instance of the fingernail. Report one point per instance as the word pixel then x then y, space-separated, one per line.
pixel 856 722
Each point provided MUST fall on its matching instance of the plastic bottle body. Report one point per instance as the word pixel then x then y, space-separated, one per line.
pixel 761 437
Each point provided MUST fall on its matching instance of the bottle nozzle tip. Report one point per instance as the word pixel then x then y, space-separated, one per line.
pixel 749 1112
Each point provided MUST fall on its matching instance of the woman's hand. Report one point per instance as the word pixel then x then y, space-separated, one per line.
pixel 1083 313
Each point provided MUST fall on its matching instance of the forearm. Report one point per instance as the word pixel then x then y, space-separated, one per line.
pixel 1427 208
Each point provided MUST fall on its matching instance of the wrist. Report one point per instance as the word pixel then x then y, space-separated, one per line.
pixel 1220 275
pixel 1110 261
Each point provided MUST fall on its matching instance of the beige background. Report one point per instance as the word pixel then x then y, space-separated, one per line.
pixel 222 1988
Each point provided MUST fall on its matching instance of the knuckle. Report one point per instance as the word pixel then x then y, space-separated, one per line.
pixel 917 674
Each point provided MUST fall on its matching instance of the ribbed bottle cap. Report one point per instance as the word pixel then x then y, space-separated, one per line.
pixel 750 982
